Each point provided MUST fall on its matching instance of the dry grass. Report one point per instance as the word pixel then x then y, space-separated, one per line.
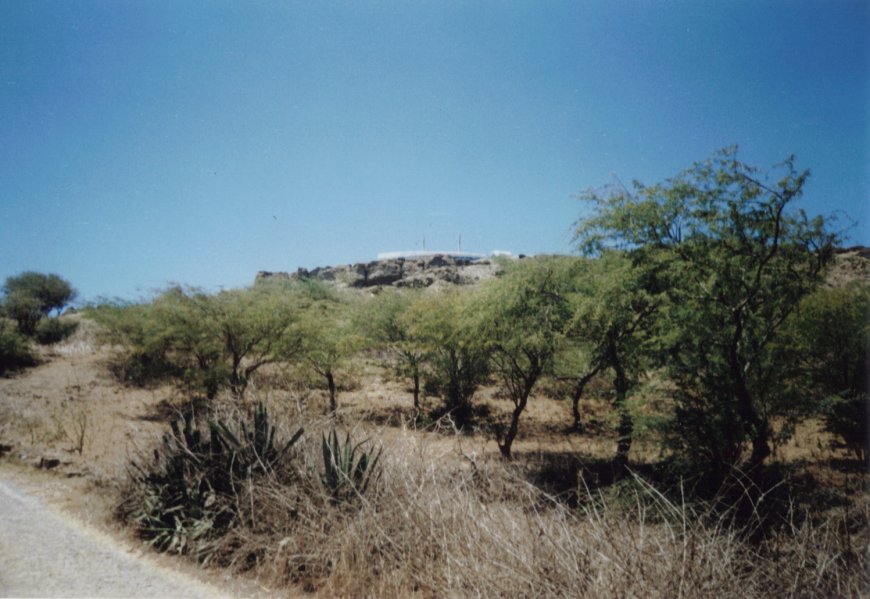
pixel 448 523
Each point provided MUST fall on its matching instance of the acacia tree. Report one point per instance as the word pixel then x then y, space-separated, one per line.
pixel 257 327
pixel 206 342
pixel 734 263
pixel 521 320
pixel 328 338
pixel 613 317
pixel 32 296
pixel 387 325
pixel 456 359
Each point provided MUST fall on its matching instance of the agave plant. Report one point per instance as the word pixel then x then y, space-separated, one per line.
pixel 253 450
pixel 184 501
pixel 348 468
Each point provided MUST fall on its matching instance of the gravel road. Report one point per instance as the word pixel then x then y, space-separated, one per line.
pixel 45 554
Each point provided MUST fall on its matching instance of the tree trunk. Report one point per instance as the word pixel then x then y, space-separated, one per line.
pixel 576 394
pixel 330 381
pixel 238 381
pixel 415 378
pixel 759 429
pixel 626 425
pixel 760 443
pixel 520 404
pixel 505 447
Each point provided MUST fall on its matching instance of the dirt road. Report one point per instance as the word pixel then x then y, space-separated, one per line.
pixel 46 554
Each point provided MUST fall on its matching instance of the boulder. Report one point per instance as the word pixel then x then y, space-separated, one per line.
pixel 384 272
pixel 265 275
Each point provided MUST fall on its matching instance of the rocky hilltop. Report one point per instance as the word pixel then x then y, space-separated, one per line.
pixel 397 272
pixel 849 264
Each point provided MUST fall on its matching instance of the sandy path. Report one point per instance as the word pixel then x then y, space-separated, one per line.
pixel 45 554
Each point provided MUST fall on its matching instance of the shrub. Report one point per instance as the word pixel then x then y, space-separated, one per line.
pixel 53 330
pixel 832 334
pixel 203 342
pixel 456 362
pixel 15 351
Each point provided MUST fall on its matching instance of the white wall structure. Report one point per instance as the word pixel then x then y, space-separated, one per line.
pixel 411 254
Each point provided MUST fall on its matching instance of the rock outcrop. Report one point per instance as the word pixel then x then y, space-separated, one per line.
pixel 397 272
pixel 850 264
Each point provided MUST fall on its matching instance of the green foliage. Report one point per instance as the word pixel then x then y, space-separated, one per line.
pixel 31 296
pixel 186 500
pixel 521 319
pixel 718 242
pixel 387 326
pixel 613 326
pixel 328 338
pixel 54 330
pixel 15 350
pixel 143 341
pixel 206 342
pixel 832 337
pixel 348 468
pixel 457 360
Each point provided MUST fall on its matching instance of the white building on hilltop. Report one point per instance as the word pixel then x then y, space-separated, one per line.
pixel 462 256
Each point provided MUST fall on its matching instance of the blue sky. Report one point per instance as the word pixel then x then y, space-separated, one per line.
pixel 144 143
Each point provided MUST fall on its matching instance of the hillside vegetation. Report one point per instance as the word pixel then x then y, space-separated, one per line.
pixel 679 411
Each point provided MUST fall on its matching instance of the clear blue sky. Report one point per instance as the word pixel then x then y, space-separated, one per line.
pixel 150 142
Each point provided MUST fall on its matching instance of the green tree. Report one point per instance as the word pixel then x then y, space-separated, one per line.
pixel 32 296
pixel 720 242
pixel 207 342
pixel 613 317
pixel 521 319
pixel 457 361
pixel 386 323
pixel 328 339
pixel 832 337
pixel 142 341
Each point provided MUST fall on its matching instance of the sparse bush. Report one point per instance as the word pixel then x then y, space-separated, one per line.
pixel 54 330
pixel 327 339
pixel 15 351
pixel 204 343
pixel 386 325
pixel 456 358
pixel 142 350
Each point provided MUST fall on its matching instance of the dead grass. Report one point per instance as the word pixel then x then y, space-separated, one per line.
pixel 447 519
